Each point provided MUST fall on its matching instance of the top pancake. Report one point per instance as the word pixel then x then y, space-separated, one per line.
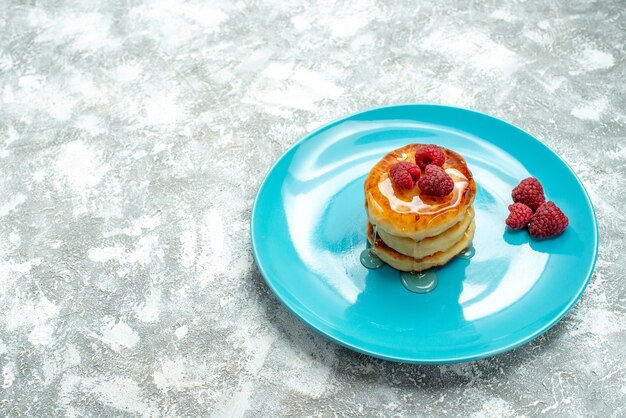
pixel 408 213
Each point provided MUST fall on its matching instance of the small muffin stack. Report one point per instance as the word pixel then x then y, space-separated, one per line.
pixel 419 202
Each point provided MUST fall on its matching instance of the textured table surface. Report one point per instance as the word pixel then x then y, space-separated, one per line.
pixel 134 135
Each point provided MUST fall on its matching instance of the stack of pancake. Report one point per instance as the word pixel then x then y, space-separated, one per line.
pixel 410 230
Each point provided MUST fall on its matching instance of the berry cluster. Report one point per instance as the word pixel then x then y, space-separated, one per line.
pixel 544 219
pixel 434 181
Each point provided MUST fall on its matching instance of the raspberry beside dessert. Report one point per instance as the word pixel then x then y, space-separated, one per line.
pixel 404 174
pixel 435 181
pixel 529 192
pixel 430 154
pixel 519 216
pixel 547 221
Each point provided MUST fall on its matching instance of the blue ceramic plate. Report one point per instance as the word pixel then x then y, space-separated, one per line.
pixel 308 230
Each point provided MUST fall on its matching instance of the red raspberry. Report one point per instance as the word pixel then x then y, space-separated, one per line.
pixel 430 154
pixel 404 174
pixel 413 169
pixel 519 216
pixel 547 221
pixel 435 181
pixel 529 192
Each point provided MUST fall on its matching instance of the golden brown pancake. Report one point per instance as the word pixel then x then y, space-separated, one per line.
pixel 408 213
pixel 405 263
pixel 431 245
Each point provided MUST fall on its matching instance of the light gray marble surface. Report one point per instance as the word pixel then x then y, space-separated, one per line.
pixel 134 135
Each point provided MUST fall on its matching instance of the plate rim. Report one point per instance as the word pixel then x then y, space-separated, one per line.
pixel 414 360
